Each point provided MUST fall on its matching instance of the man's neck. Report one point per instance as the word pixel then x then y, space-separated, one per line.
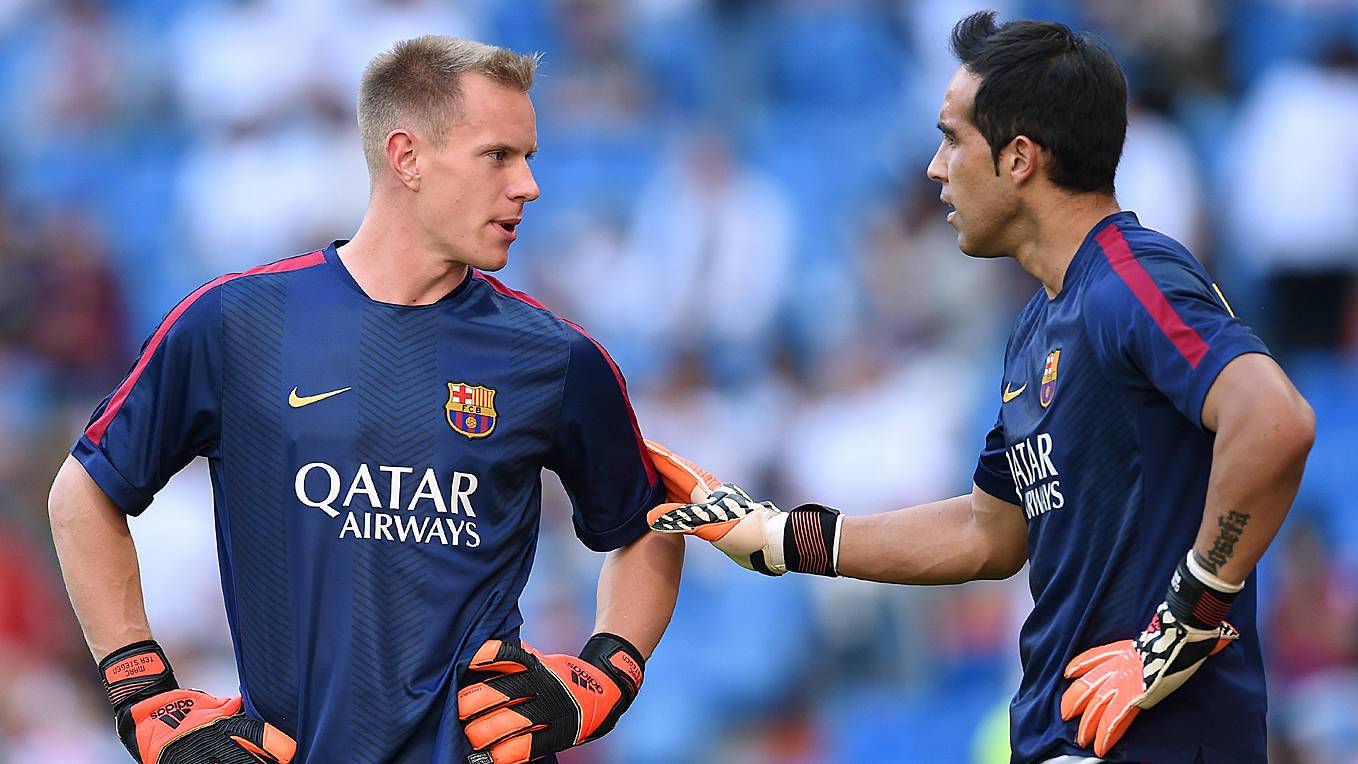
pixel 391 265
pixel 1058 229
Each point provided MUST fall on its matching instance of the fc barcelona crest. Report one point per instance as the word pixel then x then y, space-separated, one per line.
pixel 471 409
pixel 1048 391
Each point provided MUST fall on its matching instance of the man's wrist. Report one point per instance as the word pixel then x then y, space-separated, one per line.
pixel 1196 597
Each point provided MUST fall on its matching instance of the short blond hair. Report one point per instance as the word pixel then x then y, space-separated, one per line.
pixel 417 85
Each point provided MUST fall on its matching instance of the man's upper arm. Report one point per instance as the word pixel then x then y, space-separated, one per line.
pixel 1249 383
pixel 599 453
pixel 1005 530
pixel 164 412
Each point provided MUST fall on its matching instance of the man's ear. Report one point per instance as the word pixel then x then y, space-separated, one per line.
pixel 1022 159
pixel 402 158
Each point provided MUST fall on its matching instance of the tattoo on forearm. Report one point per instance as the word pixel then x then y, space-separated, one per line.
pixel 1229 529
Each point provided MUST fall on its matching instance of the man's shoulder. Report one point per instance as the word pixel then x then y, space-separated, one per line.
pixel 200 309
pixel 1134 258
pixel 287 265
pixel 527 313
pixel 1138 268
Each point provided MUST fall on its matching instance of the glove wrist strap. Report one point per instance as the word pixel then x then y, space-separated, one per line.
pixel 619 659
pixel 134 673
pixel 811 540
pixel 1197 598
pixel 131 674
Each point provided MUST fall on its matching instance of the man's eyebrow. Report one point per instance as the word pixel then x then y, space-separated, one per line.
pixel 505 147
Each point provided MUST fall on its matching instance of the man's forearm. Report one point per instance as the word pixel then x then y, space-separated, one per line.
pixel 638 588
pixel 1257 465
pixel 946 542
pixel 98 562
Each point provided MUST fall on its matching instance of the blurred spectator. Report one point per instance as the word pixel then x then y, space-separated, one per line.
pixel 80 325
pixel 1315 619
pixel 916 289
pixel 714 236
pixel 1293 181
pixel 241 62
pixel 83 69
pixel 1314 625
pixel 1159 177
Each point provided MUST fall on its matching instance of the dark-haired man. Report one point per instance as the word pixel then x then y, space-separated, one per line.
pixel 1146 451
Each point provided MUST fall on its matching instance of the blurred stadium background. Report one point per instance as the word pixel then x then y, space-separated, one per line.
pixel 734 202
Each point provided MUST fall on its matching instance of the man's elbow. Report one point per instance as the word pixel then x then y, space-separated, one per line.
pixel 1001 566
pixel 59 500
pixel 1005 557
pixel 1296 431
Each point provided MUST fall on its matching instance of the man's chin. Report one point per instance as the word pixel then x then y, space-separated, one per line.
pixel 969 248
pixel 489 260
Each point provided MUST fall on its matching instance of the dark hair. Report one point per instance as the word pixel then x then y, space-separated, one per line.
pixel 1063 90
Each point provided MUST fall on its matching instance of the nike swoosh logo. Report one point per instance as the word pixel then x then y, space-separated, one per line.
pixel 298 401
pixel 1009 395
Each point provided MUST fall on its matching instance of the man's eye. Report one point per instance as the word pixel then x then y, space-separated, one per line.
pixel 498 156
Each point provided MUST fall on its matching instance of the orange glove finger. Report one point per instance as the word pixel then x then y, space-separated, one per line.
pixel 479 698
pixel 273 746
pixel 495 657
pixel 685 482
pixel 512 750
pixel 485 731
pixel 1113 723
pixel 499 657
pixel 1096 655
pixel 1077 696
pixel 1089 721
pixel 706 531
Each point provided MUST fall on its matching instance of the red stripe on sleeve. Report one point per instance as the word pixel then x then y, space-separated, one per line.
pixel 1185 339
pixel 95 432
pixel 622 384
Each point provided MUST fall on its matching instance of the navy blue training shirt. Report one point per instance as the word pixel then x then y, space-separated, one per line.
pixel 1100 441
pixel 375 471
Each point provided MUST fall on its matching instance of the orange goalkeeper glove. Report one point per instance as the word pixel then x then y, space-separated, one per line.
pixel 540 704
pixel 159 723
pixel 1115 682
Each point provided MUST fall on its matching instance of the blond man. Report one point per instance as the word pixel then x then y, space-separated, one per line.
pixel 376 414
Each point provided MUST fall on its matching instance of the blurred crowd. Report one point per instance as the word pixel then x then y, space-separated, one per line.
pixel 734 203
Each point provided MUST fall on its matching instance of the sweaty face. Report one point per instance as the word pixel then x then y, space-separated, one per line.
pixel 983 203
pixel 473 189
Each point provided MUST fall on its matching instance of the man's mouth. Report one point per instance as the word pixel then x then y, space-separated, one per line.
pixel 507 226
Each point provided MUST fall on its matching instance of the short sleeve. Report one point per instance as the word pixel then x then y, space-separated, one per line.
pixel 599 453
pixel 992 468
pixel 165 411
pixel 1157 319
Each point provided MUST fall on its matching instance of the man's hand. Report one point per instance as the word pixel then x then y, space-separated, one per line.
pixel 1115 682
pixel 159 723
pixel 541 704
pixel 758 535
